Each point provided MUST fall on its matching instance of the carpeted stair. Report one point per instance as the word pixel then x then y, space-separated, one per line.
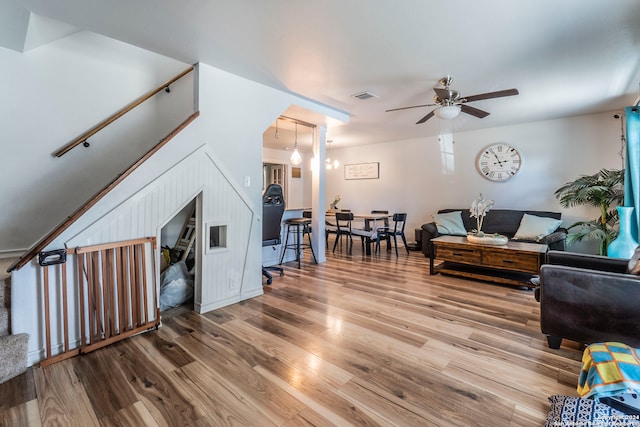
pixel 13 348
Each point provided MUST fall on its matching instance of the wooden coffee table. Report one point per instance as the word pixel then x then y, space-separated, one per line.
pixel 514 263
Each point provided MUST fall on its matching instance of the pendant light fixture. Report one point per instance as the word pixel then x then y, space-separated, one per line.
pixel 296 158
pixel 277 135
pixel 335 164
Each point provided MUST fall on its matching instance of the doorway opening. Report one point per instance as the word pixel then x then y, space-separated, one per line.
pixel 274 173
pixel 178 243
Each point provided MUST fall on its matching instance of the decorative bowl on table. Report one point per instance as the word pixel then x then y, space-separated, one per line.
pixel 487 239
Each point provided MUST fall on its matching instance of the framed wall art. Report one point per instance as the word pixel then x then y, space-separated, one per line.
pixel 362 171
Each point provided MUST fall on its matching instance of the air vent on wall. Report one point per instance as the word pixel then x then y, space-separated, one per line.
pixel 364 95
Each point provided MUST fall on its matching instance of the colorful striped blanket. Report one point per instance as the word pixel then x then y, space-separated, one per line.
pixel 609 368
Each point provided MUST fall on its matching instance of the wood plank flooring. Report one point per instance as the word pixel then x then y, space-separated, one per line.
pixel 359 340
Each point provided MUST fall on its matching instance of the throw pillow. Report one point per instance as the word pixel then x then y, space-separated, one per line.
pixel 634 266
pixel 574 411
pixel 450 223
pixel 536 227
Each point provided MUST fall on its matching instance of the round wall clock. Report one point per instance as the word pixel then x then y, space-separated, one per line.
pixel 499 162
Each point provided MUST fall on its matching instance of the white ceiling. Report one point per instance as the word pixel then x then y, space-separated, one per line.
pixel 566 57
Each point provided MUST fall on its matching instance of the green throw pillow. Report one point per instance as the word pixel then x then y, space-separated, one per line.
pixel 536 227
pixel 450 223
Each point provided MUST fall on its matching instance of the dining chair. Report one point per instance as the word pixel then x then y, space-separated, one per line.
pixel 386 220
pixel 399 220
pixel 381 228
pixel 309 215
pixel 343 228
pixel 329 228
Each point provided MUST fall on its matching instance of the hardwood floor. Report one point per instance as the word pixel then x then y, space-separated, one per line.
pixel 356 341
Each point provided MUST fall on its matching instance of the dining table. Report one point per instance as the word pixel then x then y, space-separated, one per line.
pixel 372 222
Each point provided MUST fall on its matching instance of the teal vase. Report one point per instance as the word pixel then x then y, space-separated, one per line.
pixel 625 244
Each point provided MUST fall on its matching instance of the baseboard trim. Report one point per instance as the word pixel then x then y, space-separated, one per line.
pixel 204 308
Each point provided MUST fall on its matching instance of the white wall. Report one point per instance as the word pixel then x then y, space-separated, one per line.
pixel 415 179
pixel 54 93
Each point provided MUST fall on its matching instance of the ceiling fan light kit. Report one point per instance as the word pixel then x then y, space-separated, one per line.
pixel 447 112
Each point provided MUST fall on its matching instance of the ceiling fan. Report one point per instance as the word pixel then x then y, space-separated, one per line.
pixel 449 102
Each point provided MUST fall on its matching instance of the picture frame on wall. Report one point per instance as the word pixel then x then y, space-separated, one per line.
pixel 362 171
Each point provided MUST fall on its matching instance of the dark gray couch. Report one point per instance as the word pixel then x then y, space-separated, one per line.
pixel 501 221
pixel 588 298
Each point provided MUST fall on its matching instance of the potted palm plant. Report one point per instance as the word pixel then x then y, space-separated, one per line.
pixel 603 190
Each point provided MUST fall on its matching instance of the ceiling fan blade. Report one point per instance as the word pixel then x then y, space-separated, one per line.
pixel 474 111
pixel 425 118
pixel 406 108
pixel 488 95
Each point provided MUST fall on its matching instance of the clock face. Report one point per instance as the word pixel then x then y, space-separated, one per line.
pixel 499 162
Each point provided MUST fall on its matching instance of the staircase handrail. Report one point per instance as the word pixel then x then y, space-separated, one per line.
pixel 97 128
pixel 47 239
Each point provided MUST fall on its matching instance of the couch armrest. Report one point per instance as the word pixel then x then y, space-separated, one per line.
pixel 589 306
pixel 429 231
pixel 555 240
pixel 590 262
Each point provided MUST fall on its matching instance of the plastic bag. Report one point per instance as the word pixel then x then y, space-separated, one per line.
pixel 176 286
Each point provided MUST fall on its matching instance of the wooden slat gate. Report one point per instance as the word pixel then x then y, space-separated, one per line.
pixel 94 296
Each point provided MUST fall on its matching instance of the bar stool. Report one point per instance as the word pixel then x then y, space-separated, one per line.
pixel 299 244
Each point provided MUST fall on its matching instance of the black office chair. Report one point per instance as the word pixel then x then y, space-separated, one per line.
pixel 272 211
